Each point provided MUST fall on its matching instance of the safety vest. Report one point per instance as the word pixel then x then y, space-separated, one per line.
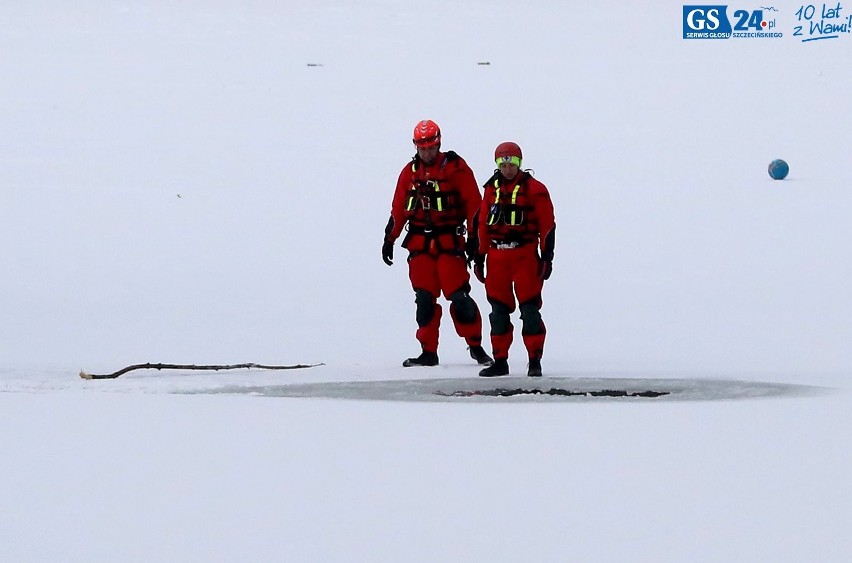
pixel 506 209
pixel 509 221
pixel 432 197
pixel 434 210
pixel 427 195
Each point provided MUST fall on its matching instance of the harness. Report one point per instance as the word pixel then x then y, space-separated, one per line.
pixel 508 218
pixel 510 213
pixel 440 212
pixel 429 195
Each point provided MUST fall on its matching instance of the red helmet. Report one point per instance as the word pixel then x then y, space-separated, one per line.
pixel 508 149
pixel 427 134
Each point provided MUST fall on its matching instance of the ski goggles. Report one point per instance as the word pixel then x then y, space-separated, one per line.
pixel 516 160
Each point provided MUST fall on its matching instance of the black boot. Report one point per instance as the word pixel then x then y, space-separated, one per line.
pixel 498 368
pixel 424 359
pixel 478 353
pixel 534 368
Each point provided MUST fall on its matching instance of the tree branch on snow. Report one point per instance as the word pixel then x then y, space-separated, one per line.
pixel 113 375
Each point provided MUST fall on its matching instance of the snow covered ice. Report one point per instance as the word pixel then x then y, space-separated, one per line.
pixel 209 182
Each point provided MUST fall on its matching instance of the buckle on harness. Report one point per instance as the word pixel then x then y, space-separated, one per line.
pixel 501 245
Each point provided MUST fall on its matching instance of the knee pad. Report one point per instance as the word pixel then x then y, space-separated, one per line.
pixel 425 302
pixel 531 317
pixel 463 306
pixel 500 321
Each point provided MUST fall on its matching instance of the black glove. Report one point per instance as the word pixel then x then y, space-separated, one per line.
pixel 545 268
pixel 471 249
pixel 479 267
pixel 387 252
pixel 545 262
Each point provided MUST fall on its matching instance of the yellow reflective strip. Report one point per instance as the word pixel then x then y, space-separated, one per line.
pixel 440 201
pixel 513 218
pixel 514 202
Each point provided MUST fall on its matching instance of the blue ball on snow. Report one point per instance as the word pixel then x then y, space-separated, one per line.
pixel 778 169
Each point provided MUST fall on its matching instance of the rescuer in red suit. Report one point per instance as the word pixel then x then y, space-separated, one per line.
pixel 437 200
pixel 517 233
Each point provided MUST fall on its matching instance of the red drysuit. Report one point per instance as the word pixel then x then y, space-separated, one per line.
pixel 436 201
pixel 517 233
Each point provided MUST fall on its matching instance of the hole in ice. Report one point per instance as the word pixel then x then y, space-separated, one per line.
pixel 520 389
